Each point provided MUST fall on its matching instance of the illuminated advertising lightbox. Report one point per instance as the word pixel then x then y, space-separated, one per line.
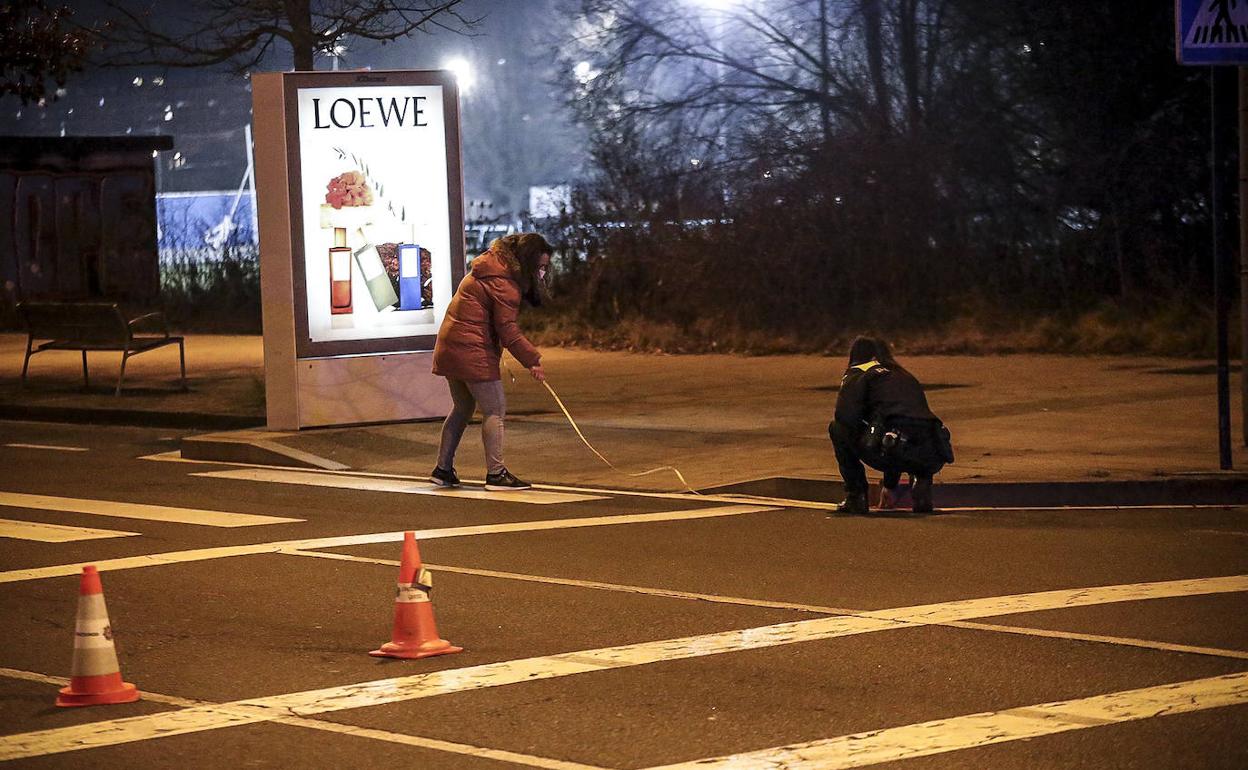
pixel 359 200
pixel 376 221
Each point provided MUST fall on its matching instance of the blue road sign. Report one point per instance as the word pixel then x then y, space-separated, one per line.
pixel 1211 31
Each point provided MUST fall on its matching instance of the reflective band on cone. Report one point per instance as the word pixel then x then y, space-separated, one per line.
pixel 415 634
pixel 95 678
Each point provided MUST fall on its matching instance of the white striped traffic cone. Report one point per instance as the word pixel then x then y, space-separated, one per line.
pixel 96 677
pixel 415 635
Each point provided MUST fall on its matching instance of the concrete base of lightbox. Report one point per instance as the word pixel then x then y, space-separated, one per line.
pixel 354 390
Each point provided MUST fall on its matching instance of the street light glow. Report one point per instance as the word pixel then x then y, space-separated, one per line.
pixel 462 70
pixel 584 72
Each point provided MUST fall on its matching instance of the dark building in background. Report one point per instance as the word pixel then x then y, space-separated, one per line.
pixel 78 218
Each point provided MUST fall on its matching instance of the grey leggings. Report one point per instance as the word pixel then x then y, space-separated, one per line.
pixel 468 396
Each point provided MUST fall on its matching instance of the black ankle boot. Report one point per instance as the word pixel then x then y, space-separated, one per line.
pixel 855 504
pixel 921 494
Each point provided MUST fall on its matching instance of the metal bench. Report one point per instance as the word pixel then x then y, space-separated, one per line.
pixel 93 326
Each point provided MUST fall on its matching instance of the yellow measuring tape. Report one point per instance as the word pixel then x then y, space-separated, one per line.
pixel 585 441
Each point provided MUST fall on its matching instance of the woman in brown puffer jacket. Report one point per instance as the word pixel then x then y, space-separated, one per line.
pixel 479 323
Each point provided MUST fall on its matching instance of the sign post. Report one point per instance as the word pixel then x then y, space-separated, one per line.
pixel 1215 32
pixel 359 192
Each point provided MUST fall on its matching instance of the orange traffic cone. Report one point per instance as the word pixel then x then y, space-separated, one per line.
pixel 96 677
pixel 415 635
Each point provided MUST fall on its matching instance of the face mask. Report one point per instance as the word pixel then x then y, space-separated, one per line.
pixel 533 295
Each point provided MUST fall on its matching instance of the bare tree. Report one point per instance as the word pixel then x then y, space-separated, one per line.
pixel 809 65
pixel 843 95
pixel 847 139
pixel 942 148
pixel 241 33
pixel 37 43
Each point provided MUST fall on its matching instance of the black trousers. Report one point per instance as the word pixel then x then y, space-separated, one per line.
pixel 921 457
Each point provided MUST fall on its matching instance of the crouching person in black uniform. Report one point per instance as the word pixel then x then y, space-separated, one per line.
pixel 882 419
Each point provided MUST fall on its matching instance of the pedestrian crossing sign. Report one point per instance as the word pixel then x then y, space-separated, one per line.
pixel 1211 31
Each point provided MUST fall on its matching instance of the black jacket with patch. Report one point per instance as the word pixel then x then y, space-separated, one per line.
pixel 876 392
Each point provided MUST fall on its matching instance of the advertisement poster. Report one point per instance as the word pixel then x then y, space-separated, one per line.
pixel 375 211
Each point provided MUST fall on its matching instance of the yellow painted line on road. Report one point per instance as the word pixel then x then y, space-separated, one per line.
pixel 204 554
pixel 54 533
pixel 50 447
pixel 941 736
pixel 429 684
pixel 387 736
pixel 796 606
pixel 375 484
pixel 139 511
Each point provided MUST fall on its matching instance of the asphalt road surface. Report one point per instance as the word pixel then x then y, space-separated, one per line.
pixel 603 629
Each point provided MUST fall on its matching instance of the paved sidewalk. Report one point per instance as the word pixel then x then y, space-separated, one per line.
pixel 225 375
pixel 720 419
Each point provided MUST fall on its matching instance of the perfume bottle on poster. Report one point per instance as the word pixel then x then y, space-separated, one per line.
pixel 409 274
pixel 374 272
pixel 426 276
pixel 340 274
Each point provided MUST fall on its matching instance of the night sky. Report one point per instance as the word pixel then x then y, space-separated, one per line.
pixel 509 53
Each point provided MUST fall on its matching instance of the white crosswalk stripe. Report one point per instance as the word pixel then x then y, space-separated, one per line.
pixel 121 510
pixel 402 486
pixel 964 732
pixel 222 552
pixel 54 533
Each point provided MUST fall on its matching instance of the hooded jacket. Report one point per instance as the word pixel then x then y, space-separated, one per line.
pixel 481 321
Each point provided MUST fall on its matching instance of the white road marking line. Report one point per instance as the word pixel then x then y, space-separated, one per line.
pixel 54 533
pixel 1124 641
pixel 780 502
pixel 61 681
pixel 204 554
pixel 501 755
pixel 424 487
pixel 331 699
pixel 341 729
pixel 133 562
pixel 139 511
pixel 175 456
pixel 1070 597
pixel 52 447
pixel 964 732
pixel 944 511
pixel 815 608
pixel 429 684
pixel 1059 508
pixel 1221 532
pixel 667 592
pixel 31 676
